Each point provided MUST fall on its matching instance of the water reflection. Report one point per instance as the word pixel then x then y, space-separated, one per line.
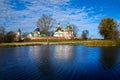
pixel 2 57
pixel 109 57
pixel 43 63
pixel 63 52
pixel 59 62
pixel 36 51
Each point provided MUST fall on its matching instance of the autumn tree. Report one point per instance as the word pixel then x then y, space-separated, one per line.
pixel 108 28
pixel 45 23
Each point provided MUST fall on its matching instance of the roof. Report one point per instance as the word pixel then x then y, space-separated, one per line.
pixel 58 29
pixel 68 26
pixel 37 30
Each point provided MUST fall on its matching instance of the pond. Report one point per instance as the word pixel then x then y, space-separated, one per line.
pixel 60 62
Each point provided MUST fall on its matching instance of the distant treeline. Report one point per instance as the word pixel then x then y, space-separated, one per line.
pixel 8 37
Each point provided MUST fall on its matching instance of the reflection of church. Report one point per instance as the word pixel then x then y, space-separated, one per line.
pixel 63 52
pixel 67 33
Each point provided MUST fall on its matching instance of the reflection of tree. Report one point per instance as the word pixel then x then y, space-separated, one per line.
pixel 109 57
pixel 44 63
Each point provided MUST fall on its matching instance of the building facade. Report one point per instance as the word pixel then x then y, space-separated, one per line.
pixel 67 33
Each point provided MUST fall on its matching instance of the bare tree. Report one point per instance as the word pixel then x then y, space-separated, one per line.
pixel 2 30
pixel 85 34
pixel 45 23
pixel 75 29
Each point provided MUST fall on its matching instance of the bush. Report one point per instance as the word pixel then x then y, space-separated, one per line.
pixel 26 39
pixel 10 37
pixel 2 38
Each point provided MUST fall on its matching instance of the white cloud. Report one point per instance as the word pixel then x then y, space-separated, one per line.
pixel 26 19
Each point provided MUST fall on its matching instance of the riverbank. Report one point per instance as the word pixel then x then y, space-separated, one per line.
pixel 93 43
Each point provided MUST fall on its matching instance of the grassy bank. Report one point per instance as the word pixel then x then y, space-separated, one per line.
pixel 100 43
pixel 63 42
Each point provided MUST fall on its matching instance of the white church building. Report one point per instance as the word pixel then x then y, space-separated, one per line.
pixel 67 33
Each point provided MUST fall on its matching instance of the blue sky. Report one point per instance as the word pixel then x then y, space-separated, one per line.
pixel 85 14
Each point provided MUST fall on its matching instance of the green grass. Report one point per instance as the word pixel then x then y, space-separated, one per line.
pixel 107 43
pixel 100 43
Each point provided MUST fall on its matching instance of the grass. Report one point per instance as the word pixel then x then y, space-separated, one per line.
pixel 100 43
pixel 107 43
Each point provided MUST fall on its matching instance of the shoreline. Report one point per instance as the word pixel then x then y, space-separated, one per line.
pixel 91 43
pixel 36 43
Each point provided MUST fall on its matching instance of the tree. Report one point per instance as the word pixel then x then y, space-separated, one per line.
pixel 25 34
pixel 10 36
pixel 45 23
pixel 108 28
pixel 75 29
pixel 84 34
pixel 2 34
pixel 2 30
pixel 25 37
pixel 2 38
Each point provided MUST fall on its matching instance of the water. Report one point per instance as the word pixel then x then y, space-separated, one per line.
pixel 60 62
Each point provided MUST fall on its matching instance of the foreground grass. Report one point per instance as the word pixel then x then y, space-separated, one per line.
pixel 100 43
pixel 107 43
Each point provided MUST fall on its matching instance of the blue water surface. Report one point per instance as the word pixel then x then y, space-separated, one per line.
pixel 60 62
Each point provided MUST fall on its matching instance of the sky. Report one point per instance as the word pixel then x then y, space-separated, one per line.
pixel 85 14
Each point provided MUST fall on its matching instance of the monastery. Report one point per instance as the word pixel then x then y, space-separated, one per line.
pixel 59 33
pixel 67 33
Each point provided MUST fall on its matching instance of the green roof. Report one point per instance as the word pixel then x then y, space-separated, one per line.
pixel 68 26
pixel 43 35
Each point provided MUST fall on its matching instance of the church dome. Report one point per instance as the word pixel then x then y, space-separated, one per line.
pixel 68 26
pixel 37 30
pixel 59 28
